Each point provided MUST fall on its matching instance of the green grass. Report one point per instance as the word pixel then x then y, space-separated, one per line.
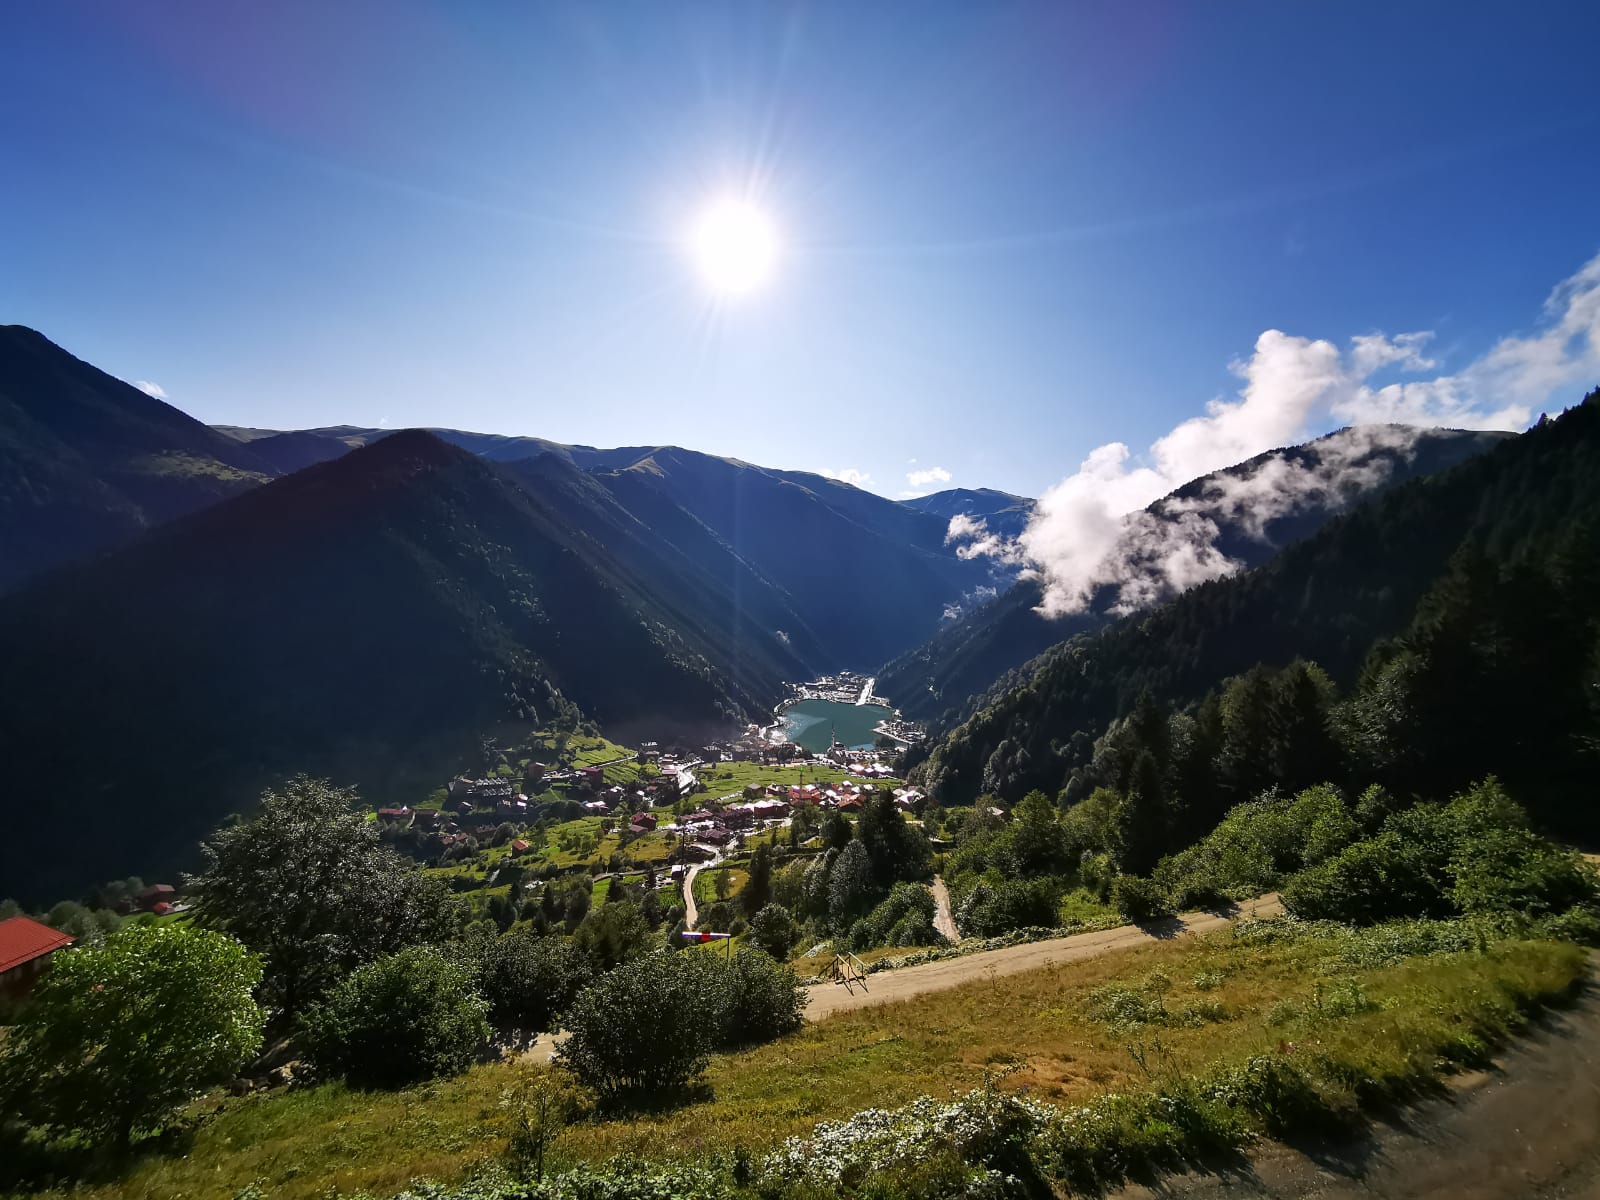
pixel 1363 1033
pixel 1081 912
pixel 722 779
pixel 705 884
pixel 590 751
pixel 175 464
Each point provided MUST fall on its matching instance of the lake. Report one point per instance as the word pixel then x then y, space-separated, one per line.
pixel 808 723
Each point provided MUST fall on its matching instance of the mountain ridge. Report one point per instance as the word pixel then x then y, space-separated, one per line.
pixel 87 460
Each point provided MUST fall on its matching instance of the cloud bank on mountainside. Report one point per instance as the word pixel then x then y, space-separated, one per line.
pixel 1092 531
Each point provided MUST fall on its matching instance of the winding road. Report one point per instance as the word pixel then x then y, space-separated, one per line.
pixel 691 914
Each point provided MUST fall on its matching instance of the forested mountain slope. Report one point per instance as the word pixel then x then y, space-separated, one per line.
pixel 870 577
pixel 364 619
pixel 1531 504
pixel 942 680
pixel 861 578
pixel 742 621
pixel 87 460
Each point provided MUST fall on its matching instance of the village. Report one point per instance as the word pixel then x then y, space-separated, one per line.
pixel 575 806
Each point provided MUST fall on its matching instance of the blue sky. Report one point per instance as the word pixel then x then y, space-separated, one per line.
pixel 1011 234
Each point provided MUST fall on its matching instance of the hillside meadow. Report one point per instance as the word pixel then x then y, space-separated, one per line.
pixel 1386 1009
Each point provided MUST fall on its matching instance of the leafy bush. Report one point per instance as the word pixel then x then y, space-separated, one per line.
pixel 695 1001
pixel 905 918
pixel 1140 900
pixel 529 981
pixel 404 1018
pixel 612 934
pixel 761 999
pixel 773 931
pixel 1256 844
pixel 1474 856
pixel 996 908
pixel 1385 876
pixel 166 1009
pixel 1516 871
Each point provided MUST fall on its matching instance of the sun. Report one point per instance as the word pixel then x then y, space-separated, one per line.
pixel 734 247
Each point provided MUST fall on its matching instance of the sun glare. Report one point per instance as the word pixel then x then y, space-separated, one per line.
pixel 734 247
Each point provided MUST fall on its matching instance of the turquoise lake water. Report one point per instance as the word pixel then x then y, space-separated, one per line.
pixel 808 724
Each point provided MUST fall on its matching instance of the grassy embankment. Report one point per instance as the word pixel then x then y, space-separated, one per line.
pixel 1337 1005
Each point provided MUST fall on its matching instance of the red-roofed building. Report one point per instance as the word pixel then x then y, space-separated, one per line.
pixel 157 893
pixel 25 950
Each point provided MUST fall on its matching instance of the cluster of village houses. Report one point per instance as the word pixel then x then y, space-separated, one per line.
pixel 477 807
pixel 714 826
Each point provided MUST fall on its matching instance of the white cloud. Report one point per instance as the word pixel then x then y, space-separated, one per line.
pixel 848 475
pixel 1089 531
pixel 150 389
pixel 921 479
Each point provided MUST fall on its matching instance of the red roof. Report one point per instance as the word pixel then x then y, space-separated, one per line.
pixel 22 940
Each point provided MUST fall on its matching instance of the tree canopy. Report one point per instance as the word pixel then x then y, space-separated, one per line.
pixel 119 1034
pixel 307 884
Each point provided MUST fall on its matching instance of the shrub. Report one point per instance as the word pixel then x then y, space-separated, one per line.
pixel 1474 855
pixel 612 934
pixel 1516 871
pixel 996 908
pixel 904 919
pixel 529 981
pixel 404 1018
pixel 773 931
pixel 761 999
pixel 1256 844
pixel 640 1030
pixel 1140 900
pixel 1385 876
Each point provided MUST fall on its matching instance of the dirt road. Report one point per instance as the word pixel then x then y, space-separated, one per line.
pixel 691 913
pixel 943 921
pixel 824 999
pixel 1530 1128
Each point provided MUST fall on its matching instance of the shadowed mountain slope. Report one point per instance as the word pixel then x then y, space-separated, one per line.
pixel 943 678
pixel 366 618
pixel 87 460
pixel 1328 598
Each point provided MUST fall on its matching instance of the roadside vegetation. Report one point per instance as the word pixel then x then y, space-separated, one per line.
pixel 394 1013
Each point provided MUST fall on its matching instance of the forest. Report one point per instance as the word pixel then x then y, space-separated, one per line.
pixel 1439 633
